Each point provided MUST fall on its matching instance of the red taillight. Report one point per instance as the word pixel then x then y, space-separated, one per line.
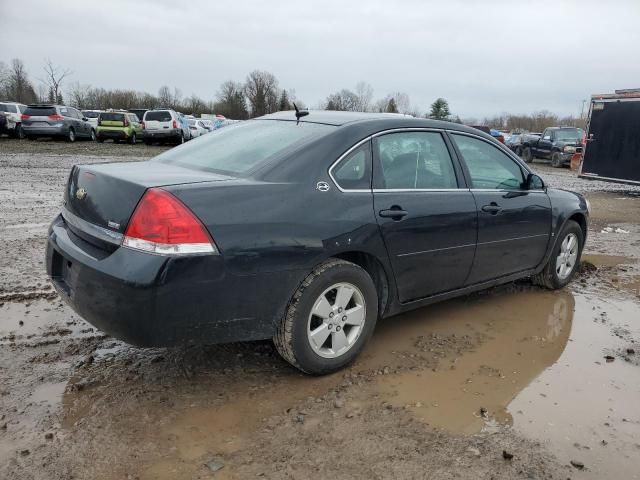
pixel 25 117
pixel 163 224
pixel 125 122
pixel 175 124
pixel 55 116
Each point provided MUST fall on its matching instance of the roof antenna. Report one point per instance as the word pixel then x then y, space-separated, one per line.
pixel 300 113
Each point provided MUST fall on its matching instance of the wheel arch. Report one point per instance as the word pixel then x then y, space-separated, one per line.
pixel 376 271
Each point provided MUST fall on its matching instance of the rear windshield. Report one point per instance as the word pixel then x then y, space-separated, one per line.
pixel 239 148
pixel 89 114
pixel 8 108
pixel 112 117
pixel 158 116
pixel 40 111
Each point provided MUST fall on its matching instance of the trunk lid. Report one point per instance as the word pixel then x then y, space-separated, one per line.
pixel 105 195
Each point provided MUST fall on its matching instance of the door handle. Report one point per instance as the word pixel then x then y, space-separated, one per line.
pixel 395 213
pixel 493 208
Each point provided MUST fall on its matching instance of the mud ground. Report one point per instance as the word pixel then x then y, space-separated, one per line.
pixel 442 392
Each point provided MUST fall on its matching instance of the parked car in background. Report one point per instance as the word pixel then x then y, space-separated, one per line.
pixel 208 242
pixel 3 124
pixel 197 127
pixel 165 125
pixel 557 144
pixel 139 112
pixel 482 128
pixel 497 134
pixel 208 124
pixel 56 121
pixel 92 115
pixel 13 112
pixel 513 141
pixel 119 126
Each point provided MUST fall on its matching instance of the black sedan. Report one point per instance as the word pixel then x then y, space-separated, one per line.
pixel 305 230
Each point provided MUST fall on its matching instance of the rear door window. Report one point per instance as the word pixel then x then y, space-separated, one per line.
pixel 488 167
pixel 414 161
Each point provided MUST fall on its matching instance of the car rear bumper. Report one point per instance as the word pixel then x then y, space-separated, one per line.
pixel 43 131
pixel 154 300
pixel 115 134
pixel 169 134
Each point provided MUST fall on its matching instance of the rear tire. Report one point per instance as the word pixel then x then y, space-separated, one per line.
pixel 71 136
pixel 132 139
pixel 556 160
pixel 562 264
pixel 527 155
pixel 318 336
pixel 18 132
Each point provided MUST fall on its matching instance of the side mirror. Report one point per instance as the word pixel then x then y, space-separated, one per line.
pixel 85 119
pixel 534 182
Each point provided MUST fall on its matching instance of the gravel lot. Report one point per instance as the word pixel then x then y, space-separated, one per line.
pixel 441 392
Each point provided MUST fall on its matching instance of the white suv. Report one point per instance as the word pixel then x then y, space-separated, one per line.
pixel 13 111
pixel 165 125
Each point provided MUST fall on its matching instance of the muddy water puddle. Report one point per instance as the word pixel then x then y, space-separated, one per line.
pixel 46 320
pixel 522 335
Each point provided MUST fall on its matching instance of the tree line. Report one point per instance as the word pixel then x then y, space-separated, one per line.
pixel 259 94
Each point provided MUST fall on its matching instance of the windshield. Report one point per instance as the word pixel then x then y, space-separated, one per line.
pixel 241 147
pixel 569 134
pixel 90 114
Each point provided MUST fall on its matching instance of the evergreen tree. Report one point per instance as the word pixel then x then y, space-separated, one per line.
pixel 440 109
pixel 391 106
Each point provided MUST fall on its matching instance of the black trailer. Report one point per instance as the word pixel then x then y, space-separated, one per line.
pixel 613 138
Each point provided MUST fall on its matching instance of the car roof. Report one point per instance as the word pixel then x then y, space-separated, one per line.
pixel 377 120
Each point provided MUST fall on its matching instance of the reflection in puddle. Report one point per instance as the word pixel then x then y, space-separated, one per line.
pixel 523 334
pixel 584 407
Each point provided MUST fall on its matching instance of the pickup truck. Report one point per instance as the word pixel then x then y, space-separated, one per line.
pixel 557 144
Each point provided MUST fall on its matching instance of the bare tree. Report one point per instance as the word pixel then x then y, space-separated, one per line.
pixel 165 99
pixel 231 101
pixel 364 92
pixel 261 90
pixel 79 95
pixel 55 75
pixel 17 86
pixel 344 100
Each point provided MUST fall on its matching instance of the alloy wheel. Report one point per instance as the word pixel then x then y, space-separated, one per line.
pixel 336 320
pixel 567 257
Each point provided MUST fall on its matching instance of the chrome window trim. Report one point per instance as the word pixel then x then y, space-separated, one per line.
pixel 342 157
pixel 418 190
pixel 383 190
pixel 499 146
pixel 102 233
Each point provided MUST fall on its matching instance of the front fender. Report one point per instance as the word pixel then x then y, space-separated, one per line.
pixel 565 206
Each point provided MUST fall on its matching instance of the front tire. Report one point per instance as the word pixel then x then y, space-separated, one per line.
pixel 132 139
pixel 556 160
pixel 527 154
pixel 564 260
pixel 329 319
pixel 71 136
pixel 92 136
pixel 19 132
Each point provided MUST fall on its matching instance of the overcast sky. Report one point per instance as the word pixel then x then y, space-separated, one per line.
pixel 485 57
